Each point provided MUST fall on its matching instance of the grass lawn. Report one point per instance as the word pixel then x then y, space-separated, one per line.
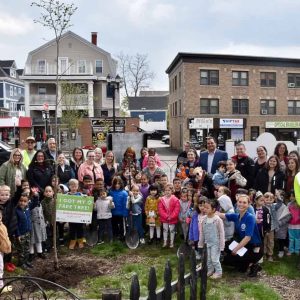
pixel 232 286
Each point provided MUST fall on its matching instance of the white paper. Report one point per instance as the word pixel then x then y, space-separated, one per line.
pixel 241 252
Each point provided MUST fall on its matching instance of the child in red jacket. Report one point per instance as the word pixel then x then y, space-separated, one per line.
pixel 168 208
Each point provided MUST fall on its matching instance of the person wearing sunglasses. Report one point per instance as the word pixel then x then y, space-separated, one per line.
pixel 29 152
pixel 13 171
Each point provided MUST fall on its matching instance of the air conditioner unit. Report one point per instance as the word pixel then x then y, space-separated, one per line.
pixel 291 85
pixel 264 112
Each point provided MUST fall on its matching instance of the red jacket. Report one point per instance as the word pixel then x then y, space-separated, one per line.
pixel 169 215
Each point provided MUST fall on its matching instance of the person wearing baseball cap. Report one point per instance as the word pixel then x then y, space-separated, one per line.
pixel 29 152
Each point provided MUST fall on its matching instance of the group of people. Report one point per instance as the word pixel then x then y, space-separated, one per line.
pixel 238 207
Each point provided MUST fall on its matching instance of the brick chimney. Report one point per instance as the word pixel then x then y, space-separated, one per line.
pixel 94 38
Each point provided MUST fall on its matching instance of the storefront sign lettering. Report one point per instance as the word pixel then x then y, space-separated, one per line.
pixel 283 124
pixel 201 123
pixel 231 123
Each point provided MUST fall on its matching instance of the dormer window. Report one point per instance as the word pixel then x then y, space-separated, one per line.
pixel 42 67
pixel 13 73
pixel 99 66
pixel 81 66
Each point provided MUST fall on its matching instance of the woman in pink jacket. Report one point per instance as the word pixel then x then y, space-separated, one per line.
pixel 168 209
pixel 90 167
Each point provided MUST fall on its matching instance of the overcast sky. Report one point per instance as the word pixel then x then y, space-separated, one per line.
pixel 162 28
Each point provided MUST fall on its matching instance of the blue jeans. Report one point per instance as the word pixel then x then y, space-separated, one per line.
pixel 213 259
pixel 294 241
pixel 138 224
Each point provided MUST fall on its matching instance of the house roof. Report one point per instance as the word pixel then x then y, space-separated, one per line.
pixel 71 33
pixel 232 59
pixel 7 63
pixel 3 73
pixel 148 103
pixel 153 93
pixel 20 72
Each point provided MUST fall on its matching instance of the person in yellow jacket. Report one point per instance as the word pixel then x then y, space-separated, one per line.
pixel 29 152
pixel 151 211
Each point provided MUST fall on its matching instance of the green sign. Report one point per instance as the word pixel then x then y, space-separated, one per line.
pixel 74 209
pixel 283 124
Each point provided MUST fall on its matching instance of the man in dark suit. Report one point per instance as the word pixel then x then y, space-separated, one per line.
pixel 210 158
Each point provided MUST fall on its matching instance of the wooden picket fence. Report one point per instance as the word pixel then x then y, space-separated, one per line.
pixel 178 286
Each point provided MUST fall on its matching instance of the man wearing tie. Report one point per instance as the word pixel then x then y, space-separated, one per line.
pixel 210 158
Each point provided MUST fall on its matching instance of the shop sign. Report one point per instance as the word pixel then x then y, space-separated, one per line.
pixel 106 125
pixel 231 123
pixel 283 124
pixel 201 123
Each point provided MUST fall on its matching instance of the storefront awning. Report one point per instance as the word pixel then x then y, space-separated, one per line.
pixel 21 122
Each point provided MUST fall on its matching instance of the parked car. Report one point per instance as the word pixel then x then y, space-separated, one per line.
pixel 158 134
pixel 166 139
pixel 5 150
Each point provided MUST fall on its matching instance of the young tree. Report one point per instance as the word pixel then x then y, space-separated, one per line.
pixel 56 16
pixel 135 73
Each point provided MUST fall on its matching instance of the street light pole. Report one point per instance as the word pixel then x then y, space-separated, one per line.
pixel 114 85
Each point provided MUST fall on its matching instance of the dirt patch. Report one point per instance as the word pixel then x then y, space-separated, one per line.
pixel 75 267
pixel 72 269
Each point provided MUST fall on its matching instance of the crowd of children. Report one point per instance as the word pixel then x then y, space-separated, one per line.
pixel 159 209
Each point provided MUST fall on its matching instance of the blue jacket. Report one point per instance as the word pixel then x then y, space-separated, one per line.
pixel 219 155
pixel 24 221
pixel 219 178
pixel 194 228
pixel 120 201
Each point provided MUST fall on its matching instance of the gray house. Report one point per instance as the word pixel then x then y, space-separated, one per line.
pixel 83 65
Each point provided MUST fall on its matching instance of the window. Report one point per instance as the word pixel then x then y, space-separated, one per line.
pixel 209 77
pixel 179 108
pixel 293 80
pixel 41 66
pixel 175 109
pixel 179 79
pixel 42 90
pixel 254 132
pixel 268 79
pixel 99 66
pixel 19 91
pixel 175 83
pixel 209 106
pixel 240 106
pixel 109 91
pixel 12 73
pixel 239 78
pixel 294 107
pixel 104 113
pixel 268 107
pixel 11 91
pixel 81 66
pixel 15 91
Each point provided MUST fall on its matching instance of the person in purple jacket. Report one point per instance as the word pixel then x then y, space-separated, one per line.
pixel 197 213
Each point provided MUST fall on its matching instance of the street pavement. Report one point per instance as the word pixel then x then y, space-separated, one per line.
pixel 164 151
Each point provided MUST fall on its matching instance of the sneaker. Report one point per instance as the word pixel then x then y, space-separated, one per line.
pixel 100 242
pixel 210 273
pixel 7 289
pixel 198 256
pixel 270 258
pixel 11 266
pixel 41 255
pixel 171 245
pixel 280 254
pixel 142 241
pixel 8 268
pixel 165 244
pixel 216 276
pixel 254 269
pixel 288 253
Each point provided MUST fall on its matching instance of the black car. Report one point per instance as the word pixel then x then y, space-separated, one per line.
pixel 158 134
pixel 5 150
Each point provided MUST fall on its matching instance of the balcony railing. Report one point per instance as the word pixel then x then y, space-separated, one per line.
pixel 41 99
pixel 69 69
pixel 75 100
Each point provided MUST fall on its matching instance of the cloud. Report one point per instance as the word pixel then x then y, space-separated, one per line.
pixel 14 25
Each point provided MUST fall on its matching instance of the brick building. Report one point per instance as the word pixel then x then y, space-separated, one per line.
pixel 233 97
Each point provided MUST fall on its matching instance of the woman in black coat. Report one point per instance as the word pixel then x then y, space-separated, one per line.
pixel 270 178
pixel 40 171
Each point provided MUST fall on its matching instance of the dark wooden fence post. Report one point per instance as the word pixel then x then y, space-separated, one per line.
pixel 203 277
pixel 181 283
pixel 134 288
pixel 152 284
pixel 167 294
pixel 193 280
